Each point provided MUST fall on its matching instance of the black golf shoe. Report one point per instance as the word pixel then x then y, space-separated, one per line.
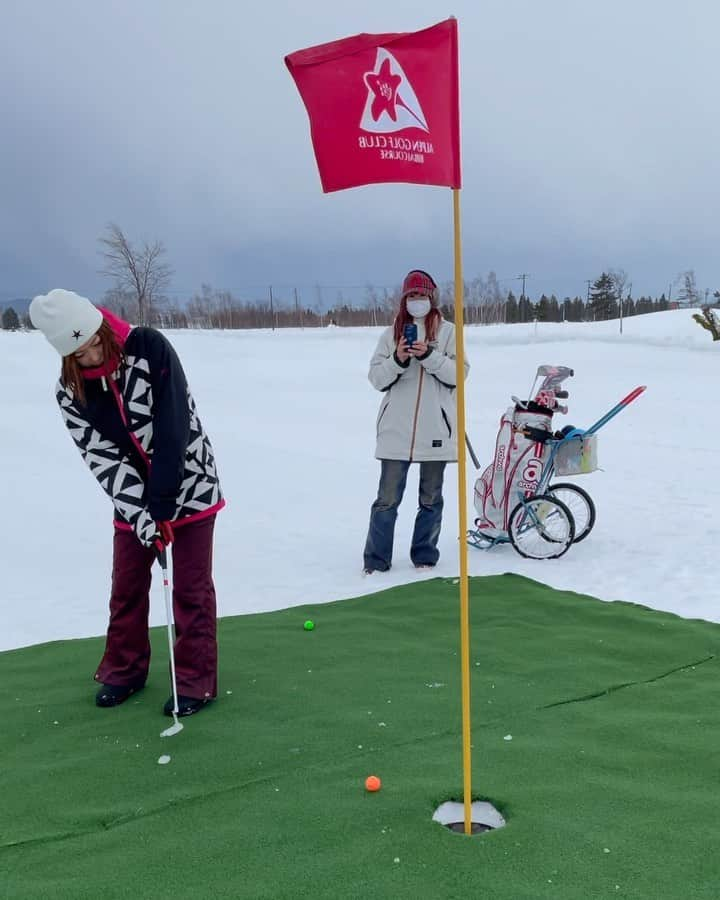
pixel 115 694
pixel 187 706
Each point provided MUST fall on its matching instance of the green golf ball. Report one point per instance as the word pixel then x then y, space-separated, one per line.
pixel 309 625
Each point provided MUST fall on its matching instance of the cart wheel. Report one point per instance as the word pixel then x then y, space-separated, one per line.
pixel 541 527
pixel 580 504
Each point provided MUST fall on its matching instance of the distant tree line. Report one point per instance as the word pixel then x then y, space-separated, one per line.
pixel 141 278
pixel 219 309
pixel 213 308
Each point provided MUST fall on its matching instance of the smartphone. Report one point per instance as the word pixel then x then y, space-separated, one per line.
pixel 410 333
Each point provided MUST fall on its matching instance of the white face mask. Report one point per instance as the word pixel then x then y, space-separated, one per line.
pixel 418 309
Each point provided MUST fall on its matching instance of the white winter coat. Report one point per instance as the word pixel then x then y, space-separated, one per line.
pixel 416 420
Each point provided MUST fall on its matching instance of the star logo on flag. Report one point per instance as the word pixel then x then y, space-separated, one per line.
pixel 77 335
pixel 391 104
pixel 384 86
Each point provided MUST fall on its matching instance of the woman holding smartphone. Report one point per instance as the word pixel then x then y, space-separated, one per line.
pixel 414 368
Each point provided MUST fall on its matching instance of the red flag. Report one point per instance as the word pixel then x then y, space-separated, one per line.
pixel 383 107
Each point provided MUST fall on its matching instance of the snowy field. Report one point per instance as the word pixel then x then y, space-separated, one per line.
pixel 291 415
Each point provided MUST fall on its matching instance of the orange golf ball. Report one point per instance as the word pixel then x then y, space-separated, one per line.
pixel 372 783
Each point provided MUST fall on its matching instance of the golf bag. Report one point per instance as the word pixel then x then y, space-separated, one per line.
pixel 521 452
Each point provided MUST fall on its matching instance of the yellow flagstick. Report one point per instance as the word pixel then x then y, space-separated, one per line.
pixel 462 516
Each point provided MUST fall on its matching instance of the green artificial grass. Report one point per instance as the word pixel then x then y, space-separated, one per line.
pixel 609 784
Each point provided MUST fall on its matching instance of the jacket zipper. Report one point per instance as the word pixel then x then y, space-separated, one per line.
pixel 417 410
pixel 133 437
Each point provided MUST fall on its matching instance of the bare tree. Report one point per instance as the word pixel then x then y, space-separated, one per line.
pixel 122 303
pixel 688 294
pixel 372 302
pixel 620 280
pixel 141 274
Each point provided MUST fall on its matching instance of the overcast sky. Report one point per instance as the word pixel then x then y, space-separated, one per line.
pixel 591 139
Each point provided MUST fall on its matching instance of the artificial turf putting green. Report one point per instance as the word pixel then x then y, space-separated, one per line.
pixel 609 784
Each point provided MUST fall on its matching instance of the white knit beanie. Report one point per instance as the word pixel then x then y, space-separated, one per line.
pixel 66 319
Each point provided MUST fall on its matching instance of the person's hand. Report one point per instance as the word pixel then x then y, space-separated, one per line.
pixel 419 348
pixel 402 351
pixel 163 537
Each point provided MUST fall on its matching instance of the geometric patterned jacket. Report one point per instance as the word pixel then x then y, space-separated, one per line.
pixel 141 437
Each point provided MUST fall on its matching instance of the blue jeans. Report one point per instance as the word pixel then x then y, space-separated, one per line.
pixel 393 477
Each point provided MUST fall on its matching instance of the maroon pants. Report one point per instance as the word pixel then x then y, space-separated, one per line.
pixel 127 649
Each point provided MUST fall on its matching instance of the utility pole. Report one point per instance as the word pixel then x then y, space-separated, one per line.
pixel 272 315
pixel 298 313
pixel 374 306
pixel 319 304
pixel 522 278
pixel 588 282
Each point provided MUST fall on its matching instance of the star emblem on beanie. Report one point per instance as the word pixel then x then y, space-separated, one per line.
pixel 65 318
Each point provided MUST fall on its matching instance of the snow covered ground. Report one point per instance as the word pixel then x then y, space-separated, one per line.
pixel 291 415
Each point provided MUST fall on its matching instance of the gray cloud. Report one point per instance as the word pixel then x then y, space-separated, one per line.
pixel 590 140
